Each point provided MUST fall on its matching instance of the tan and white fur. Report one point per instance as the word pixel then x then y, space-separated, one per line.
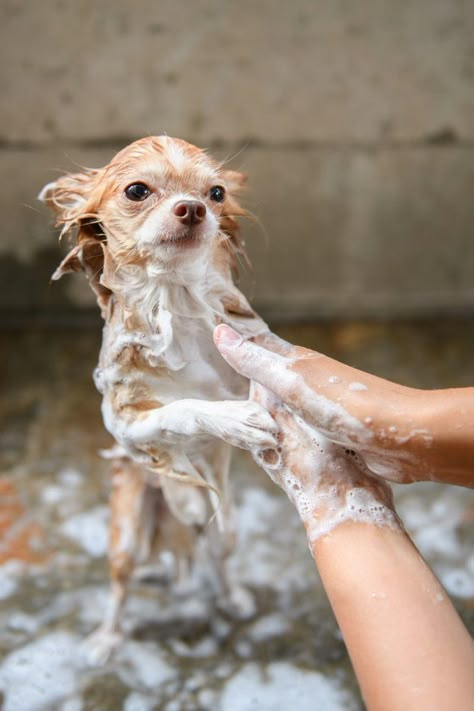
pixel 156 234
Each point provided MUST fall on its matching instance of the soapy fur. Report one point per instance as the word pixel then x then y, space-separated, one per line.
pixel 162 275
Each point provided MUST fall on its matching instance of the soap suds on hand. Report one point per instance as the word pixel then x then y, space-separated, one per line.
pixel 355 387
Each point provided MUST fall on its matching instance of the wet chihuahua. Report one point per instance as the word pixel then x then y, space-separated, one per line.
pixel 156 234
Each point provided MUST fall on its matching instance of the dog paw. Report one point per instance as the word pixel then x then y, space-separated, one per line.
pixel 100 646
pixel 244 424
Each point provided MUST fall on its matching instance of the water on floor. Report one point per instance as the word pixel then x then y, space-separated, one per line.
pixel 181 652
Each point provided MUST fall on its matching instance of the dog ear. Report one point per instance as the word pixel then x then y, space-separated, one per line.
pixel 73 199
pixel 88 257
pixel 234 180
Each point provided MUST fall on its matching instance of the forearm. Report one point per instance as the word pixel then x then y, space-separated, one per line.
pixel 416 434
pixel 449 417
pixel 408 646
pixel 419 434
pixel 403 434
pixel 432 429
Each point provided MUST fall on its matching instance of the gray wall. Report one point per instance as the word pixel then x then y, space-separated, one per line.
pixel 354 121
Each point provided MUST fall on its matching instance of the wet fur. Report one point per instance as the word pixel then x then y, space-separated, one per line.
pixel 169 399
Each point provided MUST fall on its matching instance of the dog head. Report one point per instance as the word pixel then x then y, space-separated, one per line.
pixel 160 200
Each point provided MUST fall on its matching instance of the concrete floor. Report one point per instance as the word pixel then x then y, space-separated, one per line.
pixel 182 653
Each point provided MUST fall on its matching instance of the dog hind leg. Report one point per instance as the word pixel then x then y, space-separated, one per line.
pixel 130 536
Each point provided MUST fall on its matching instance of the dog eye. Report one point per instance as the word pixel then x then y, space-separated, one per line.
pixel 137 192
pixel 217 193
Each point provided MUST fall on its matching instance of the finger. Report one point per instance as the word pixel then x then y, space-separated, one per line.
pixel 275 344
pixel 262 395
pixel 256 363
pixel 271 342
pixel 297 382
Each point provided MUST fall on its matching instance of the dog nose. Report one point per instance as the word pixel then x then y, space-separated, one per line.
pixel 190 212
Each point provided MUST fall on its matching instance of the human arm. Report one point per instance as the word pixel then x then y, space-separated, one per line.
pixel 409 649
pixel 403 434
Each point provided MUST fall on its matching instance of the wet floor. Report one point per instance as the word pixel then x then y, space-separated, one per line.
pixel 181 652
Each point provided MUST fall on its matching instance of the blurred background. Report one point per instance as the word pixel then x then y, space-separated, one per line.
pixel 355 125
pixel 354 122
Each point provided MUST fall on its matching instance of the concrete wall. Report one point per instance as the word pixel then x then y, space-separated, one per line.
pixel 354 121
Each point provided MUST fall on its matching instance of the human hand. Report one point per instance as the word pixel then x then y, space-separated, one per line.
pixel 327 483
pixel 374 417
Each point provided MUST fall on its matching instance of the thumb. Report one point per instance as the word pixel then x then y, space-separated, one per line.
pixel 254 362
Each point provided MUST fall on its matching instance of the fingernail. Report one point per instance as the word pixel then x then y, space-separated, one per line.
pixel 226 336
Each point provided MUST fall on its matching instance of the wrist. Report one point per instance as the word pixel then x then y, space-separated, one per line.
pixel 345 494
pixel 359 507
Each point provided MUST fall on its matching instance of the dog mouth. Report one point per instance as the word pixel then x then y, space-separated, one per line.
pixel 182 239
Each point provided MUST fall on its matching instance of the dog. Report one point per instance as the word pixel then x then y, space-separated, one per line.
pixel 156 233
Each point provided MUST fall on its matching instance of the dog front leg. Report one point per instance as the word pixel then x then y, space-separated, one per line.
pixel 242 423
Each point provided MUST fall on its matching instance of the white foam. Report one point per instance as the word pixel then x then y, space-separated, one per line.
pixel 23 623
pixel 327 416
pixel 280 686
pixel 435 516
pixel 8 585
pixel 420 433
pixel 321 507
pixel 275 625
pixel 386 468
pixel 458 582
pixel 37 676
pixel 206 647
pixel 434 522
pixel 243 648
pixel 70 478
pixel 89 530
pixel 438 539
pixel 144 663
pixel 360 506
pixel 355 387
pixel 208 699
pixel 279 558
pixel 51 495
pixel 138 702
pixel 72 704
